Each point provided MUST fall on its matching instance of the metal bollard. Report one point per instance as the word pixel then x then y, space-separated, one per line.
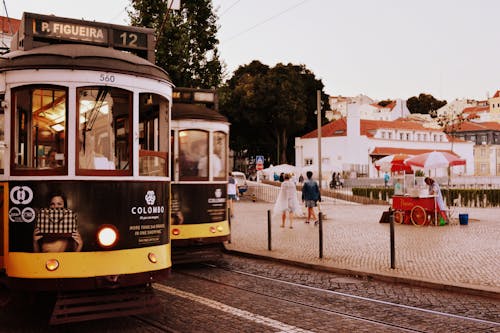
pixel 320 221
pixel 269 230
pixel 229 222
pixel 393 252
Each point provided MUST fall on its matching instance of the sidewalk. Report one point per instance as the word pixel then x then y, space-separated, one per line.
pixel 454 256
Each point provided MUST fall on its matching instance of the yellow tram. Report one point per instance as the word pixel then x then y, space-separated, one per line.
pixel 85 121
pixel 200 140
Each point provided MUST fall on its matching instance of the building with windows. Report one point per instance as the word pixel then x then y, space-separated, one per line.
pixel 368 108
pixel 486 139
pixel 352 144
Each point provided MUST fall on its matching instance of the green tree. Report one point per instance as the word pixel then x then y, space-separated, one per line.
pixel 425 104
pixel 186 45
pixel 384 103
pixel 268 107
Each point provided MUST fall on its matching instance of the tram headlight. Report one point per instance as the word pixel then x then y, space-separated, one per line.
pixel 220 228
pixel 152 257
pixel 212 230
pixel 51 265
pixel 176 232
pixel 107 236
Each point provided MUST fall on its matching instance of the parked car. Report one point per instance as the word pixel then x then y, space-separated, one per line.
pixel 242 181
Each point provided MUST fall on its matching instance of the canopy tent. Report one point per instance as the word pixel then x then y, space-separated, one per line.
pixel 278 169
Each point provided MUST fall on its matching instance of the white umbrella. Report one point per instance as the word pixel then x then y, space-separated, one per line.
pixel 434 160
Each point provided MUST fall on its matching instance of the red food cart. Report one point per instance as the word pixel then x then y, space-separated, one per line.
pixel 419 210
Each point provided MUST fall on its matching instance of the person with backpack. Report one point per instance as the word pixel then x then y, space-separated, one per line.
pixel 310 196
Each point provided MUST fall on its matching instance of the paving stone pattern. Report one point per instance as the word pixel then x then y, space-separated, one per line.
pixel 458 256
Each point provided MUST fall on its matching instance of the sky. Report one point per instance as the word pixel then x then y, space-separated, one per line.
pixel 384 49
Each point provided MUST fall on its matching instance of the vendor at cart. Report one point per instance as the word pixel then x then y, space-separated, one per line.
pixel 435 190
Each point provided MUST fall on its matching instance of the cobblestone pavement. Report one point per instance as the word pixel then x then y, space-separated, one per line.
pixel 485 308
pixel 266 296
pixel 451 256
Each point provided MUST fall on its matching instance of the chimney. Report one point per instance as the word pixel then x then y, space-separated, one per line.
pixel 353 121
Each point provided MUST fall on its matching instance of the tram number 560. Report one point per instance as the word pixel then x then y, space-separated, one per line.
pixel 106 77
pixel 129 39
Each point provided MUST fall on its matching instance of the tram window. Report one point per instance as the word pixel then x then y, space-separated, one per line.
pixel 104 140
pixel 153 135
pixel 39 129
pixel 219 156
pixel 193 152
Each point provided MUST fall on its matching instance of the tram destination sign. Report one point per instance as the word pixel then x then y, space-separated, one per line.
pixel 38 30
pixel 69 31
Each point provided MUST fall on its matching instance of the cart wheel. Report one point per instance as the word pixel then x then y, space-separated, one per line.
pixel 418 216
pixel 399 216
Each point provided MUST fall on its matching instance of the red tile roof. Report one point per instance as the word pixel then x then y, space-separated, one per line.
pixel 473 126
pixel 368 127
pixel 497 94
pixel 9 25
pixel 474 109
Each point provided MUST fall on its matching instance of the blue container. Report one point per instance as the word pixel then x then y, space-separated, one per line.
pixel 463 218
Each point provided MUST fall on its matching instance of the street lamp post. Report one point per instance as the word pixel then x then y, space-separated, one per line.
pixel 318 111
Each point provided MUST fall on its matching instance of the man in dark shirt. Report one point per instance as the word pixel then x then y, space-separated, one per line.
pixel 311 196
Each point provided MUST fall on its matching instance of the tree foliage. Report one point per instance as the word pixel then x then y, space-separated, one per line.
pixel 384 103
pixel 186 45
pixel 424 104
pixel 268 107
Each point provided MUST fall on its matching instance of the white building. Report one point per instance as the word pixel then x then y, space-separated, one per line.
pixel 352 144
pixel 368 108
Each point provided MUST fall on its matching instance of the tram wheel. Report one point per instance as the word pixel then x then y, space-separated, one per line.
pixel 418 216
pixel 399 216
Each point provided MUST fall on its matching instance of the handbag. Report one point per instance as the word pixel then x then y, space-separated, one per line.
pixel 56 221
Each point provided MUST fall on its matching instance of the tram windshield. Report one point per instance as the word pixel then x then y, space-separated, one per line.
pixel 104 129
pixel 194 158
pixel 39 134
pixel 193 152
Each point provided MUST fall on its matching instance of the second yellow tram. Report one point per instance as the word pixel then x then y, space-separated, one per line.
pixel 199 139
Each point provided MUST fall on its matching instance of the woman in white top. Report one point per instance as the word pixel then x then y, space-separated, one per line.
pixel 434 189
pixel 287 201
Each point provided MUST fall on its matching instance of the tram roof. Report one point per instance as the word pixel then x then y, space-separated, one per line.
pixel 82 57
pixel 195 111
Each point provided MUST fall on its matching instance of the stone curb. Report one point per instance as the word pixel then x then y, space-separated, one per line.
pixel 485 292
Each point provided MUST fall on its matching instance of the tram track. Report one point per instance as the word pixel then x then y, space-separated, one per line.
pixel 154 325
pixel 364 310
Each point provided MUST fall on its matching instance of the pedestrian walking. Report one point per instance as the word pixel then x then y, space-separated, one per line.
pixel 301 179
pixel 386 179
pixel 287 201
pixel 232 189
pixel 310 196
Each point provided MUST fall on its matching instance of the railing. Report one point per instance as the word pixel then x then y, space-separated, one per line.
pixel 474 196
pixel 268 191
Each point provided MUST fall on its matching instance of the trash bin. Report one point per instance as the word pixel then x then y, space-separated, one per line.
pixel 463 218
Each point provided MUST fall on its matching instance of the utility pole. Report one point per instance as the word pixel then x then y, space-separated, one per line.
pixel 318 110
